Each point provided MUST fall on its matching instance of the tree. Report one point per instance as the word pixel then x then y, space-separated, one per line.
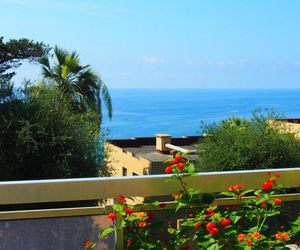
pixel 82 85
pixel 238 143
pixel 14 51
pixel 42 137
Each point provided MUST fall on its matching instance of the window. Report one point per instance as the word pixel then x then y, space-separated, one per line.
pixel 134 174
pixel 124 171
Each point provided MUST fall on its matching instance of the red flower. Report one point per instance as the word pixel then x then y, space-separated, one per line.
pixel 87 243
pixel 225 222
pixel 178 158
pixel 171 162
pixel 277 201
pixel 143 224
pixel 128 210
pixel 210 225
pixel 241 237
pixel 214 231
pixel 121 198
pixel 180 166
pixel 263 204
pixel 249 242
pixel 197 224
pixel 129 242
pixel 210 215
pixel 168 170
pixel 268 185
pixel 112 216
pixel 268 172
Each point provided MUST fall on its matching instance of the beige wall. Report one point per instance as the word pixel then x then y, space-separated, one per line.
pixel 119 159
pixel 287 127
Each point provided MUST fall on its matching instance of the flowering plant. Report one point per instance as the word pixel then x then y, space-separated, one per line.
pixel 242 226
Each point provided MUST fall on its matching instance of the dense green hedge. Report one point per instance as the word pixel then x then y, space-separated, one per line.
pixel 42 136
pixel 238 143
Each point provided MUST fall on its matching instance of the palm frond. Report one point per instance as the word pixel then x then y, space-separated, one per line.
pixel 106 98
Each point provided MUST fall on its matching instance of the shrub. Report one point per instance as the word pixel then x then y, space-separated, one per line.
pixel 42 136
pixel 238 143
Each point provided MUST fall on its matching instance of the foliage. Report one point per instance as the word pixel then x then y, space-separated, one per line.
pixel 14 51
pixel 238 143
pixel 244 226
pixel 84 87
pixel 41 136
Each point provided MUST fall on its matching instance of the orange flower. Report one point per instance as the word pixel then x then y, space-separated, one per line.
pixel 277 175
pixel 241 237
pixel 142 215
pixel 282 236
pixel 256 235
pixel 235 187
pixel 143 224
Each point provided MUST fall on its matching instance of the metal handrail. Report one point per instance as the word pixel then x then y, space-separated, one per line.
pixel 57 190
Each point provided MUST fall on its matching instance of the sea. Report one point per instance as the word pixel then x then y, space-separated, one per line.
pixel 179 112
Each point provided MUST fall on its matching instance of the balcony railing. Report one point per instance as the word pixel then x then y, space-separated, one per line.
pixel 83 189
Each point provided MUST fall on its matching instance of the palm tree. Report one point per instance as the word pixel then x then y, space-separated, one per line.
pixel 79 82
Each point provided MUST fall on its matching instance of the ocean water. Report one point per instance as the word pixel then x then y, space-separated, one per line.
pixel 146 112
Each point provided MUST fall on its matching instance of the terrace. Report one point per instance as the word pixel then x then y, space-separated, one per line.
pixel 33 227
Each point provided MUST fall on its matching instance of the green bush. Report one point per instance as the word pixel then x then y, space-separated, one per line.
pixel 238 143
pixel 42 136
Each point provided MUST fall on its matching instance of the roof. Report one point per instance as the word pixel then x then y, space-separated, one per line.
pixel 146 146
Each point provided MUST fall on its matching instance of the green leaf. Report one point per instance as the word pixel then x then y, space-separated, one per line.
pixel 131 218
pixel 188 223
pixel 190 168
pixel 247 191
pixel 213 247
pixel 235 218
pixel 118 207
pixel 171 230
pixel 180 205
pixel 230 194
pixel 106 231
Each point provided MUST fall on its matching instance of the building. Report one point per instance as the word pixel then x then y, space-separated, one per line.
pixel 145 155
pixel 291 125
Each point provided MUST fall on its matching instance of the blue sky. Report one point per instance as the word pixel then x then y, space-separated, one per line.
pixel 164 44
